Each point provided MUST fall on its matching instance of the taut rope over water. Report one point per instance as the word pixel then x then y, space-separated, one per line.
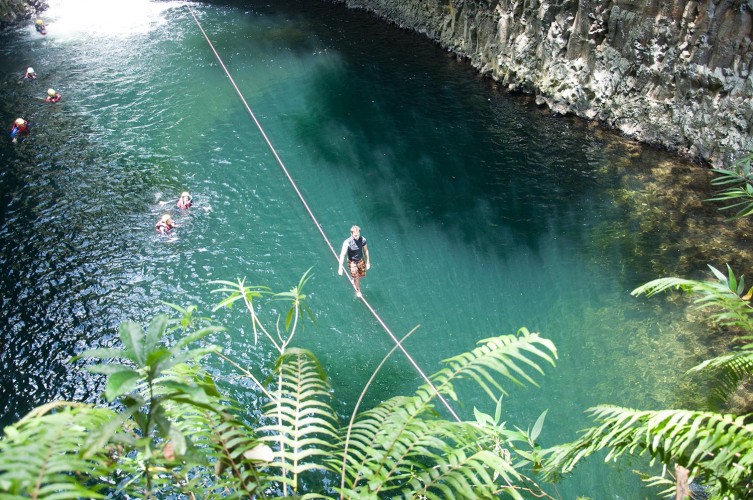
pixel 311 214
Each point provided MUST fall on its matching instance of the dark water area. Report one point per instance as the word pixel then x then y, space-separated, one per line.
pixel 483 212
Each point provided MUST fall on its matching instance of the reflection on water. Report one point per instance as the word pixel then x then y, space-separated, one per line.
pixel 72 20
pixel 483 212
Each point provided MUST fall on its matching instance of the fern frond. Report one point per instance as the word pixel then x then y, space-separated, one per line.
pixel 405 443
pixel 363 435
pixel 197 431
pixel 512 356
pixel 302 428
pixel 392 444
pixel 739 174
pixel 732 369
pixel 657 286
pixel 431 457
pixel 723 299
pixel 465 475
pixel 716 446
pixel 40 455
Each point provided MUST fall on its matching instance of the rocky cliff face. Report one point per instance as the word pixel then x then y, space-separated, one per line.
pixel 674 73
pixel 13 11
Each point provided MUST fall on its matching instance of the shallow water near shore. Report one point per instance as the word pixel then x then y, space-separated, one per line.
pixel 483 213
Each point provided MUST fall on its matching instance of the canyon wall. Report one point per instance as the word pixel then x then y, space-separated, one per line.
pixel 675 73
pixel 14 11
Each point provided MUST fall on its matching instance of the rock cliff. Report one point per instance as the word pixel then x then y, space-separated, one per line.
pixel 13 11
pixel 671 73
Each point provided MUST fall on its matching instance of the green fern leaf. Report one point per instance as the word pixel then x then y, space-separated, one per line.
pixel 404 439
pixel 40 456
pixel 716 446
pixel 302 428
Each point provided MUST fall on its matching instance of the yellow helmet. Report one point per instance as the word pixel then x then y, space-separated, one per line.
pixel 165 218
pixel 39 22
pixel 51 92
pixel 20 121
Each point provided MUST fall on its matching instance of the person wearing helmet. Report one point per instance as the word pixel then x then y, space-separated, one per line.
pixel 41 27
pixel 53 96
pixel 20 127
pixel 185 200
pixel 165 224
pixel 30 74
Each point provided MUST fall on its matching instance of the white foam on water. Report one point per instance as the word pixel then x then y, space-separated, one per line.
pixel 104 18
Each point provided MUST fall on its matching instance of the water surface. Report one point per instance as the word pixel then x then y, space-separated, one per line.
pixel 483 213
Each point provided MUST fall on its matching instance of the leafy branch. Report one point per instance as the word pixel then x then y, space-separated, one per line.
pixel 739 194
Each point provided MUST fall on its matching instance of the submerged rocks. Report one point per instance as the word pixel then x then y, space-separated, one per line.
pixel 674 74
pixel 14 11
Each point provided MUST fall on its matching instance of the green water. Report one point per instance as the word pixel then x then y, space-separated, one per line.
pixel 483 213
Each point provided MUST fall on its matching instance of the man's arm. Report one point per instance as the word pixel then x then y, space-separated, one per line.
pixel 342 258
pixel 366 254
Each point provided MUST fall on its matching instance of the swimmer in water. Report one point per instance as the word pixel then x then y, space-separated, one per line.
pixel 20 127
pixel 53 96
pixel 165 224
pixel 30 74
pixel 41 27
pixel 185 200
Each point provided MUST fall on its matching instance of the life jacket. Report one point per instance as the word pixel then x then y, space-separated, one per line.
pixel 355 248
pixel 19 129
pixel 54 98
pixel 163 227
pixel 184 204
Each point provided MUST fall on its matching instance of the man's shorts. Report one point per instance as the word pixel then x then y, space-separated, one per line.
pixel 357 269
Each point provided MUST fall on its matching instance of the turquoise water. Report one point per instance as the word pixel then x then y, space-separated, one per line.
pixel 483 213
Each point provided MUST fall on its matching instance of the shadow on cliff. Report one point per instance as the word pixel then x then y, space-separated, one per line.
pixel 435 144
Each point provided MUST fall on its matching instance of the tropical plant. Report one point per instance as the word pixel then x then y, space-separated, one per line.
pixel 402 447
pixel 714 449
pixel 40 454
pixel 169 432
pixel 739 193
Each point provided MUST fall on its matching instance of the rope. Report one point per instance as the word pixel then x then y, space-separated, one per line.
pixel 313 217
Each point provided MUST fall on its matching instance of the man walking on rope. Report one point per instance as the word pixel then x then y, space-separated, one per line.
pixel 355 248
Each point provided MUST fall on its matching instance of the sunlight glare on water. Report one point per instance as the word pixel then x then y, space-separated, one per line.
pixel 69 19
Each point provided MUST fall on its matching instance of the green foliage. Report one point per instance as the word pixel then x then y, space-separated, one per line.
pixel 739 194
pixel 148 383
pixel 732 369
pixel 715 447
pixel 725 303
pixel 723 299
pixel 172 434
pixel 301 425
pixel 237 290
pixel 41 454
pixel 402 448
pixel 228 453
